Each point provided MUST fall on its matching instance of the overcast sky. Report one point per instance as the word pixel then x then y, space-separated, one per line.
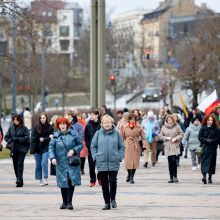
pixel 127 5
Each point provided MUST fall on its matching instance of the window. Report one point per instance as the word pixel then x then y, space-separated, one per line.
pixel 64 44
pixel 50 13
pixel 64 18
pixel 77 30
pixel 64 31
pixel 44 13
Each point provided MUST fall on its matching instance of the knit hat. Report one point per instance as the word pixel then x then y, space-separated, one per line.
pixel 196 118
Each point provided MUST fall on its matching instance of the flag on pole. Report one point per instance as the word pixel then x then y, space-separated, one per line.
pixel 183 106
pixel 209 103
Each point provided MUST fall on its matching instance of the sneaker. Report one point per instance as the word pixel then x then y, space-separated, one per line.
pixel 194 168
pixel 92 184
pixel 45 181
pixel 41 183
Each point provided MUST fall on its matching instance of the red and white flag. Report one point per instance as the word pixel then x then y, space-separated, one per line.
pixel 209 103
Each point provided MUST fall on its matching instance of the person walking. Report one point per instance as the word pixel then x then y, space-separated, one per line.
pixel 64 144
pixel 90 130
pixel 171 134
pixel 40 138
pixel 27 118
pixel 132 133
pixel 151 128
pixel 1 137
pixel 209 136
pixel 107 150
pixel 18 138
pixel 84 151
pixel 191 141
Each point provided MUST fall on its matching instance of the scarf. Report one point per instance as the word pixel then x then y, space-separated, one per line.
pixel 149 131
pixel 132 125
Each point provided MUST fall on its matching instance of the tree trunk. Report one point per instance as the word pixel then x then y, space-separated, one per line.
pixel 195 97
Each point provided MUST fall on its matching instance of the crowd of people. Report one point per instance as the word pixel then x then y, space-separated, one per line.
pixel 106 140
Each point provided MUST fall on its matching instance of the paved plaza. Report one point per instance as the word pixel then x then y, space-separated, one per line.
pixel 151 197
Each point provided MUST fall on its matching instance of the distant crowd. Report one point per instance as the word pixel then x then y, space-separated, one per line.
pixel 106 140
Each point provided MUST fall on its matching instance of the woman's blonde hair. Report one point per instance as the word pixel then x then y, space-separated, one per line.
pixel 107 117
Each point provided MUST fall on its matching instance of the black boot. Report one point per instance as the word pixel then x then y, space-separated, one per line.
pixel 175 180
pixel 204 179
pixel 64 197
pixel 132 176
pixel 70 192
pixel 128 176
pixel 114 204
pixel 210 179
pixel 106 207
pixel 145 164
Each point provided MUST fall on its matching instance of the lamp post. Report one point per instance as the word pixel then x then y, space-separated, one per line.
pixel 14 73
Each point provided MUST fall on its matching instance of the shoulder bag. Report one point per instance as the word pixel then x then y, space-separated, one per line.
pixel 74 160
pixel 200 149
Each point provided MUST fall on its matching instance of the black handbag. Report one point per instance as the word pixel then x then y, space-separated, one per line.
pixel 74 160
pixel 10 146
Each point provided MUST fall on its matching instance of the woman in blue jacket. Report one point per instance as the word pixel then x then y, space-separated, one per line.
pixel 107 150
pixel 64 144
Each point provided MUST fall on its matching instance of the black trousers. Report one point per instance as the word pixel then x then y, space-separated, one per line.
pixel 172 162
pixel 67 193
pixel 92 173
pixel 82 164
pixel 18 163
pixel 109 185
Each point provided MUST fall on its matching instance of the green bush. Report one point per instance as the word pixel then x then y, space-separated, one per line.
pixel 5 153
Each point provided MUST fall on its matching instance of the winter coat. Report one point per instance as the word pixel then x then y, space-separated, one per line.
pixel 79 129
pixel 107 150
pixel 36 145
pixel 133 149
pixel 20 138
pixel 58 151
pixel 190 139
pixel 155 128
pixel 84 151
pixel 209 138
pixel 173 131
pixel 27 119
pixel 90 131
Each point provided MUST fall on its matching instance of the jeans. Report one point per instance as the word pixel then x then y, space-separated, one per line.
pixel 18 163
pixel 109 185
pixel 41 169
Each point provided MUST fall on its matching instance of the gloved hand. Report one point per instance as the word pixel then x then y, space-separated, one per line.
pixel 154 135
pixel 15 139
pixel 209 141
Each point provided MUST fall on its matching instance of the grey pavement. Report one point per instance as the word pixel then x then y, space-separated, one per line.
pixel 151 197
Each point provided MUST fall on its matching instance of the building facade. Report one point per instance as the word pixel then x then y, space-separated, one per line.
pixel 156 27
pixel 60 25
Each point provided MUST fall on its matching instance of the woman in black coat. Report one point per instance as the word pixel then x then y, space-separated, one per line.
pixel 18 138
pixel 40 138
pixel 209 138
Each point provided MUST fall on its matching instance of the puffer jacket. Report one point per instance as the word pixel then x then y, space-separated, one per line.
pixel 190 138
pixel 58 150
pixel 19 137
pixel 107 150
